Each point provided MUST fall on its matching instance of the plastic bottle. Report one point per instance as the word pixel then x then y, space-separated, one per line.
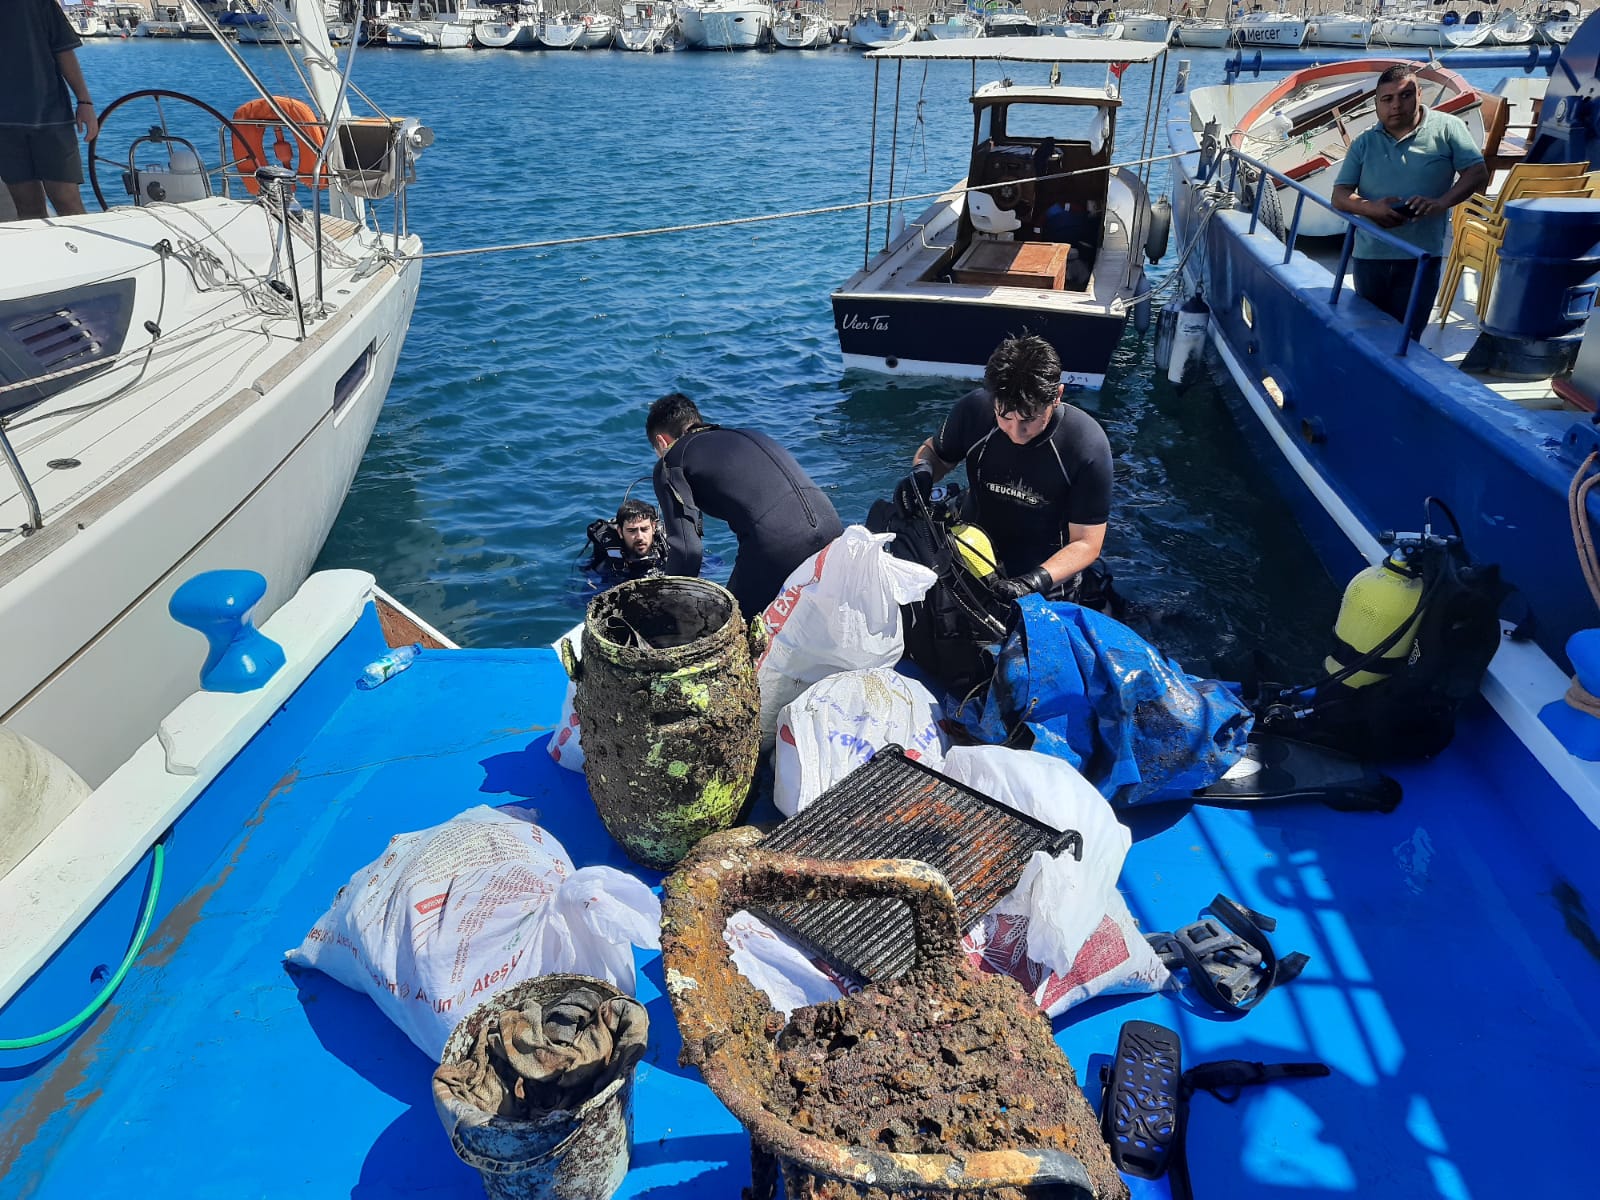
pixel 380 670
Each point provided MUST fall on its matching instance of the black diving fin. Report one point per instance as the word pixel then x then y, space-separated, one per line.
pixel 1280 770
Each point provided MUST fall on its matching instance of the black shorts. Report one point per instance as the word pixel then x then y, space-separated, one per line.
pixel 47 152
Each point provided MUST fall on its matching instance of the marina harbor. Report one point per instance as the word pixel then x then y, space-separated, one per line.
pixel 972 600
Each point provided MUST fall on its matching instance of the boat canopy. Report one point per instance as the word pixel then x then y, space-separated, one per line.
pixel 999 93
pixel 1039 50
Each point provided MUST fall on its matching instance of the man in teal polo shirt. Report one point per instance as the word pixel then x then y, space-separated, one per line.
pixel 1405 174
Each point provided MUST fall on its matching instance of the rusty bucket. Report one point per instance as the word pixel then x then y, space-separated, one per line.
pixel 568 1154
pixel 667 697
pixel 941 1009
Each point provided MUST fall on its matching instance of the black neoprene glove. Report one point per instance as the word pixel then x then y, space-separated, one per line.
pixel 918 483
pixel 1015 587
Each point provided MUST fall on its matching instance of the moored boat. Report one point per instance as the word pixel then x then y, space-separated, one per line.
pixel 561 30
pixel 952 19
pixel 647 26
pixel 1340 29
pixel 1003 18
pixel 1270 29
pixel 1047 233
pixel 1513 29
pixel 802 25
pixel 599 28
pixel 513 29
pixel 1145 26
pixel 1203 33
pixel 725 24
pixel 874 28
pixel 166 421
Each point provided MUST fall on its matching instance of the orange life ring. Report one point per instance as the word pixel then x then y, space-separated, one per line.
pixel 255 118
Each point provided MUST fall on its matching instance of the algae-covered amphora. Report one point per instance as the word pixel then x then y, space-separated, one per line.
pixel 667 698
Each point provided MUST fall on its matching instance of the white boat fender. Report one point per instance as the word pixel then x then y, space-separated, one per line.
pixel 1159 231
pixel 1166 328
pixel 37 790
pixel 1189 337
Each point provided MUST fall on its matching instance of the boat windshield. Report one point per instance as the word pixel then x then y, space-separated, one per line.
pixel 1032 122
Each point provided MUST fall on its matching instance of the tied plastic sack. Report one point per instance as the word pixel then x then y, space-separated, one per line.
pixel 1093 692
pixel 838 611
pixel 1064 932
pixel 837 724
pixel 448 916
pixel 565 744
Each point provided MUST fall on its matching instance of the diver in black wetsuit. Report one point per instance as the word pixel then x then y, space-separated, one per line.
pixel 631 547
pixel 1039 471
pixel 744 478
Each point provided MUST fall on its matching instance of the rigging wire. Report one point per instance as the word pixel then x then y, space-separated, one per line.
pixel 765 218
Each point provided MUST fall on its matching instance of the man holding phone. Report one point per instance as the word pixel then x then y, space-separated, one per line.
pixel 1405 174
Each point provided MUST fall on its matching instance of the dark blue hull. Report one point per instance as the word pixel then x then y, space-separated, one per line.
pixel 1360 435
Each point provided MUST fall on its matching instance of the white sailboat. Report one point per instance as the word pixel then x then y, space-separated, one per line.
pixel 599 28
pixel 164 21
pixel 1416 28
pixel 1203 33
pixel 875 28
pixel 561 30
pixel 803 25
pixel 1349 28
pixel 513 29
pixel 647 26
pixel 1558 25
pixel 1145 26
pixel 1270 29
pixel 1513 29
pixel 195 394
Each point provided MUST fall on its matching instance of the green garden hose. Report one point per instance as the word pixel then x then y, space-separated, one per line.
pixel 157 864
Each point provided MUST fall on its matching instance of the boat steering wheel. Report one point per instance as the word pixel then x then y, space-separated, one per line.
pixel 158 95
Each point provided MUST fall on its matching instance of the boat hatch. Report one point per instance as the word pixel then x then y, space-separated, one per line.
pixel 40 335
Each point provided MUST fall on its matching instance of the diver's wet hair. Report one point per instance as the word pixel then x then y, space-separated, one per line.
pixel 632 510
pixel 1023 375
pixel 674 415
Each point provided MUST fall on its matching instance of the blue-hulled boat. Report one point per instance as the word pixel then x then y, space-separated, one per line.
pixel 1453 958
pixel 1452 964
pixel 1355 428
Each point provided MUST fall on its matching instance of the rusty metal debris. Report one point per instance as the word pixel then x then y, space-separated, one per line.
pixel 945 1082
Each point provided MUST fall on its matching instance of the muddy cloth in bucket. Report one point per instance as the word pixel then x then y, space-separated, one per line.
pixel 541 1058
pixel 1093 692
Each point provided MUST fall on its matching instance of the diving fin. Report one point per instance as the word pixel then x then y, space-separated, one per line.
pixel 1280 770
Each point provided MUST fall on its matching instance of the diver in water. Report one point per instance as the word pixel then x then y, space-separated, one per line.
pixel 630 547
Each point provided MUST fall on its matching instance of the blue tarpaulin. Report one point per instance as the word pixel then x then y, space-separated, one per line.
pixel 1095 693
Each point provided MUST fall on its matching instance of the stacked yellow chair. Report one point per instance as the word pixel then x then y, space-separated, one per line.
pixel 1477 225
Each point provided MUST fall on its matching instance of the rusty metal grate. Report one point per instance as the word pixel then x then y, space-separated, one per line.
pixel 894 807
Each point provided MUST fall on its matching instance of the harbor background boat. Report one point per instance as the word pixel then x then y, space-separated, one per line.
pixel 515 416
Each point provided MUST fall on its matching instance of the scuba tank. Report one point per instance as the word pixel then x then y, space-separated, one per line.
pixel 1412 642
pixel 1189 337
pixel 1378 602
pixel 975 552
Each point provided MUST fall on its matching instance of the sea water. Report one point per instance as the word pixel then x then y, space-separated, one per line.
pixel 517 412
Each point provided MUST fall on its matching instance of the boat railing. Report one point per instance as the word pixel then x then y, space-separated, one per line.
pixel 1242 163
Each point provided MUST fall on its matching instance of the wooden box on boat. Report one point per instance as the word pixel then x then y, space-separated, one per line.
pixel 1014 264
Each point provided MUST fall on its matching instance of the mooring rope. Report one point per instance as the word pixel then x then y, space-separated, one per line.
pixel 764 218
pixel 1584 482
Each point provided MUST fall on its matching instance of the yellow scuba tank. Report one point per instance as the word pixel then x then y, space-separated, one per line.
pixel 975 551
pixel 1377 602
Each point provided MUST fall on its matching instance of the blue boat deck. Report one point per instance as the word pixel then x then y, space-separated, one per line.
pixel 1452 983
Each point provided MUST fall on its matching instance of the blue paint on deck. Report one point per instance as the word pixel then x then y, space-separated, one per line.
pixel 1449 971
